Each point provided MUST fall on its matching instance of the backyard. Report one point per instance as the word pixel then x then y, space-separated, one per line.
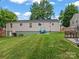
pixel 38 46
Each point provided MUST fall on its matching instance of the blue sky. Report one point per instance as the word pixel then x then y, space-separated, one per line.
pixel 22 7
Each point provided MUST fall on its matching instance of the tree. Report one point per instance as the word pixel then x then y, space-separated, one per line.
pixel 44 10
pixel 61 15
pixel 34 10
pixel 67 14
pixel 6 16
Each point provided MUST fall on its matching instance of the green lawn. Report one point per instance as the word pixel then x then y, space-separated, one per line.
pixel 41 46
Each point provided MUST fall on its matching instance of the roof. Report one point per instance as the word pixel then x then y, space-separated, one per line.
pixel 75 16
pixel 53 20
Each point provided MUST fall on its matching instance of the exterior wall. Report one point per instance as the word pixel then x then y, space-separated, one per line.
pixel 48 26
pixel 55 27
pixel 75 20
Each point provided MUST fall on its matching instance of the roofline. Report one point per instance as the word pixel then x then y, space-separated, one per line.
pixel 26 21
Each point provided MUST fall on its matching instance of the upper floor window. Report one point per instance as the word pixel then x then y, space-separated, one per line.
pixel 30 25
pixel 52 23
pixel 20 24
pixel 39 24
pixel 11 25
pixel 72 22
pixel 76 21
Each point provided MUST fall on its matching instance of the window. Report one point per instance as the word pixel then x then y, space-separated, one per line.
pixel 72 22
pixel 39 24
pixel 52 23
pixel 30 25
pixel 11 25
pixel 76 21
pixel 20 24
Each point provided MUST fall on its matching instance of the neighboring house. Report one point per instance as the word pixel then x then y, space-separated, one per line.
pixel 32 26
pixel 74 23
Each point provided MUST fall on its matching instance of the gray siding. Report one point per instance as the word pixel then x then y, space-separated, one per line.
pixel 75 20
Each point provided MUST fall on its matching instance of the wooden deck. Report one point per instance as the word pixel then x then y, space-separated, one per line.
pixel 71 32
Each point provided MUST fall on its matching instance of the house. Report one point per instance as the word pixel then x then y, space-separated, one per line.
pixel 32 26
pixel 74 22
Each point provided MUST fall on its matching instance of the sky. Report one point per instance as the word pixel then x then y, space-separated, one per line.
pixel 22 7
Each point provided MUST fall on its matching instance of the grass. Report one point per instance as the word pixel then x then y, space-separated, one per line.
pixel 41 46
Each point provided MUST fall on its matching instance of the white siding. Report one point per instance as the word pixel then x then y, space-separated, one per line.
pixel 35 27
pixel 55 27
pixel 75 20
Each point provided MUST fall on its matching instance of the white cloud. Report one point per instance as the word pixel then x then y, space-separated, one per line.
pixel 53 3
pixel 76 3
pixel 55 17
pixel 27 13
pixel 17 13
pixel 23 16
pixel 36 1
pixel 28 3
pixel 18 1
pixel 60 0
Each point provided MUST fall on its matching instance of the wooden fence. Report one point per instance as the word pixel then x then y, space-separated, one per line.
pixel 71 34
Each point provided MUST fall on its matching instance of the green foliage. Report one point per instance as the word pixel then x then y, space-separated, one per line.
pixel 6 16
pixel 67 14
pixel 44 10
pixel 61 15
pixel 41 46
